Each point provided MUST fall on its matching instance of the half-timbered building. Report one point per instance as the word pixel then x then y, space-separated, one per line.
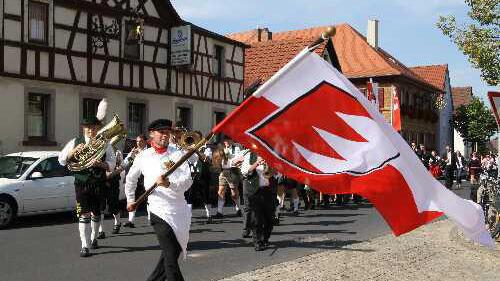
pixel 58 58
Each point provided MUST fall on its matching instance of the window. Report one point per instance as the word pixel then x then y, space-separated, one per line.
pixel 38 116
pixel 381 99
pixel 136 119
pixel 218 64
pixel 90 107
pixel 217 118
pixel 51 168
pixel 38 22
pixel 183 115
pixel 132 47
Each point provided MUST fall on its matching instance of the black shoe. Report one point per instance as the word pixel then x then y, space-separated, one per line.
pixel 259 247
pixel 276 221
pixel 84 252
pixel 238 213
pixel 218 216
pixel 93 245
pixel 101 235
pixel 116 228
pixel 129 224
pixel 209 220
pixel 266 243
pixel 246 234
pixel 295 213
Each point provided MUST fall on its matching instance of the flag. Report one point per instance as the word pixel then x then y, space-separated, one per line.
pixel 396 110
pixel 372 92
pixel 312 124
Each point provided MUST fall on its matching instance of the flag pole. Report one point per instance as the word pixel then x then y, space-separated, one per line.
pixel 329 32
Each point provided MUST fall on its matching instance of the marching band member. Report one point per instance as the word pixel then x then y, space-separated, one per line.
pixel 141 145
pixel 229 177
pixel 112 195
pixel 170 214
pixel 260 200
pixel 89 184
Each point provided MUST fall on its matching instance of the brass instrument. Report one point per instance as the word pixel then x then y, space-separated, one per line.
pixel 188 140
pixel 96 147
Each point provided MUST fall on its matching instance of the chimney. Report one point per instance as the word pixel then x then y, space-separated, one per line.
pixel 372 33
pixel 263 34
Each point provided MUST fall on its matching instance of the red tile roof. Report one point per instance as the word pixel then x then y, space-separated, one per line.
pixel 264 59
pixel 356 57
pixel 433 74
pixel 461 96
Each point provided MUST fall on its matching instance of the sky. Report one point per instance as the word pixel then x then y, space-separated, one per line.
pixel 407 29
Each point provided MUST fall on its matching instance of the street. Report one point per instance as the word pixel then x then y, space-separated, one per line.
pixel 47 247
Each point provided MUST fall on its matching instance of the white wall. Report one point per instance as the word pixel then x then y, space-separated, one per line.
pixel 67 109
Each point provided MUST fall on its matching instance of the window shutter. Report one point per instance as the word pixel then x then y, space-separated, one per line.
pixel 381 97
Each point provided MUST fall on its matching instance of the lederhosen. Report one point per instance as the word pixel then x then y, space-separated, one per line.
pixel 111 195
pixel 231 174
pixel 89 185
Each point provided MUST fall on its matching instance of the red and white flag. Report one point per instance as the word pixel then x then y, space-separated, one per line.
pixel 396 110
pixel 311 124
pixel 372 92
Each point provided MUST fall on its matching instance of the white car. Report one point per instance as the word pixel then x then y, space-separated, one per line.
pixel 35 183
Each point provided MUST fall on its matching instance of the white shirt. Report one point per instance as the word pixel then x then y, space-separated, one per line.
pixel 245 167
pixel 167 203
pixel 110 154
pixel 231 153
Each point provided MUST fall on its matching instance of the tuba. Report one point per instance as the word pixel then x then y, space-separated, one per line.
pixel 114 131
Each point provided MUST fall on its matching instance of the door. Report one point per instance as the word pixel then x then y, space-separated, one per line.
pixel 50 192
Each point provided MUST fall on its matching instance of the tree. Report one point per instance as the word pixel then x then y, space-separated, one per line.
pixel 480 39
pixel 474 122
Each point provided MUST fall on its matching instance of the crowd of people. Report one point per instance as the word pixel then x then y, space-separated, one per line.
pixel 214 174
pixel 452 166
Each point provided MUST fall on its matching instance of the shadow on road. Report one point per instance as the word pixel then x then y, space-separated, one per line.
pixel 322 223
pixel 44 220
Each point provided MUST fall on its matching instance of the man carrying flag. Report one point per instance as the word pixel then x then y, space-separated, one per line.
pixel 343 146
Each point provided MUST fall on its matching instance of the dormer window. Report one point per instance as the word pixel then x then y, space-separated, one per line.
pixel 38 22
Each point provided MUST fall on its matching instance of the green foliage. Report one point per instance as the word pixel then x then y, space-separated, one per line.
pixel 480 39
pixel 474 122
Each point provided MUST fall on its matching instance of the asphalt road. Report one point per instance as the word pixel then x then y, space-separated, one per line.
pixel 47 247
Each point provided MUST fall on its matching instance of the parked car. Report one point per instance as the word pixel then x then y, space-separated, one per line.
pixel 35 183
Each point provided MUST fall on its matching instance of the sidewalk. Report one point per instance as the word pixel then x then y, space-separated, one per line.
pixel 437 251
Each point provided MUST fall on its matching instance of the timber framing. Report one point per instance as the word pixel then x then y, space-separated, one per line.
pixel 68 57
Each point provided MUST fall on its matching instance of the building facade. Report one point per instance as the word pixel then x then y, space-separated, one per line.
pixel 59 58
pixel 439 76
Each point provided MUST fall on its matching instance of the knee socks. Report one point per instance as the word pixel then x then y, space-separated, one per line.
pixel 101 229
pixel 84 227
pixel 94 224
pixel 220 205
pixel 131 216
pixel 295 204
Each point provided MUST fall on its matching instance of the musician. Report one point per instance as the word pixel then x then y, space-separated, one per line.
pixel 89 184
pixel 260 200
pixel 111 196
pixel 141 145
pixel 170 214
pixel 229 177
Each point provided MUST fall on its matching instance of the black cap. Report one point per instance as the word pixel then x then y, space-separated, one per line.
pixel 91 121
pixel 160 124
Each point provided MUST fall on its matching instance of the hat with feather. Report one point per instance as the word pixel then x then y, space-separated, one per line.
pixel 100 115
